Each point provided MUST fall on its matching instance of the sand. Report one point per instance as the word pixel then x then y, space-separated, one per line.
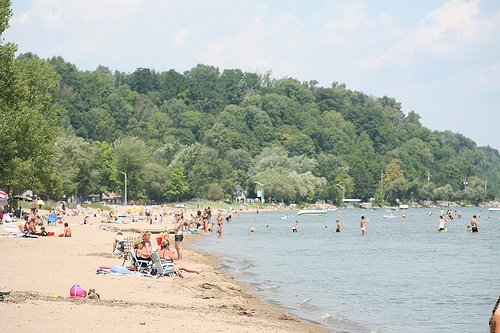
pixel 40 272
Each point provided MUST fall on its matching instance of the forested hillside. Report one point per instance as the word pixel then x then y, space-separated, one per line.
pixel 198 133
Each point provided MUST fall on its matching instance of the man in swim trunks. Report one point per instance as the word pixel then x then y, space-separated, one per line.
pixel 179 236
pixel 338 226
pixel 473 224
pixel 294 226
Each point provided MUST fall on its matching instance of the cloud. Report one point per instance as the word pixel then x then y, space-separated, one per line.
pixel 354 18
pixel 446 30
pixel 486 78
pixel 180 38
pixel 259 45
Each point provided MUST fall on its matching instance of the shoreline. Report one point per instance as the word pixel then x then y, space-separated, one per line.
pixel 40 272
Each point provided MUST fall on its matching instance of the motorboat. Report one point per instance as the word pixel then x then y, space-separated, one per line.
pixel 494 209
pixel 312 212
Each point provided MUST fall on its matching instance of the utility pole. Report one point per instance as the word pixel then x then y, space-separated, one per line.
pixel 125 194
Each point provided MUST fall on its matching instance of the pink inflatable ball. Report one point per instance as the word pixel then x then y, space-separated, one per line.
pixel 77 291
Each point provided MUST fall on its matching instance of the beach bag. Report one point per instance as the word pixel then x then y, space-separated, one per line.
pixel 77 292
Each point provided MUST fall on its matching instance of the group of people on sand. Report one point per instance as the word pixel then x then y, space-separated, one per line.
pixel 143 250
pixel 33 219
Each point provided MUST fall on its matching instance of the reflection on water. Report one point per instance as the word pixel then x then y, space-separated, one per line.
pixel 402 277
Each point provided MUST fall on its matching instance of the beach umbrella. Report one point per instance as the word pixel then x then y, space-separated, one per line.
pixel 3 198
pixel 135 209
pixel 40 202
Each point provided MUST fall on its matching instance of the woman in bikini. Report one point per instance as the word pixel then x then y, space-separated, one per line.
pixel 166 255
pixel 220 224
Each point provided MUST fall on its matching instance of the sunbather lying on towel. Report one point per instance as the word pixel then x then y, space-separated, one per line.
pixel 165 254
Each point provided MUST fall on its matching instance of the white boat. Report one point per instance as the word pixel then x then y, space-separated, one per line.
pixel 494 209
pixel 389 216
pixel 332 209
pixel 403 206
pixel 312 212
pixel 284 217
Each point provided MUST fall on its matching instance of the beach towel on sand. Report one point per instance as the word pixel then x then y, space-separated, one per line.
pixel 120 270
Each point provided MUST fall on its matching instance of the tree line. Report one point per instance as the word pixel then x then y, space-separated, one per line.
pixel 69 132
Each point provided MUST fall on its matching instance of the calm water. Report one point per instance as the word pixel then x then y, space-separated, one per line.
pixel 402 277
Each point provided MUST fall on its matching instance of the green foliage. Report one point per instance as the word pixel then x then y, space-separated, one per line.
pixel 176 186
pixel 215 192
pixel 28 124
pixel 131 155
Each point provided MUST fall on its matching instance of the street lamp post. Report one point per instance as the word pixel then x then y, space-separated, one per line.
pixel 125 194
pixel 343 191
pixel 262 197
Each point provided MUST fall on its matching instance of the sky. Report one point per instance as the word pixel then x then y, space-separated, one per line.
pixel 440 59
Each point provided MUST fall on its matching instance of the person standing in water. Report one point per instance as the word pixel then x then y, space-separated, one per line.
pixel 338 226
pixel 220 223
pixel 441 224
pixel 495 318
pixel 294 226
pixel 179 236
pixel 362 225
pixel 473 224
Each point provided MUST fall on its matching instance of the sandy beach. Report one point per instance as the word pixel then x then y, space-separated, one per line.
pixel 40 272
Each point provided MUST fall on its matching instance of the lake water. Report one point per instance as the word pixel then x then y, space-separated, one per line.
pixel 403 276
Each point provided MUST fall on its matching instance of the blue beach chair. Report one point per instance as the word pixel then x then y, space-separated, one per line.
pixel 52 218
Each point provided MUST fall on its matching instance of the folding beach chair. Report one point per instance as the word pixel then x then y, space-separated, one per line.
pixel 164 267
pixel 13 228
pixel 52 218
pixel 128 246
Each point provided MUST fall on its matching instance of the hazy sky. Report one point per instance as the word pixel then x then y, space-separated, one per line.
pixel 440 59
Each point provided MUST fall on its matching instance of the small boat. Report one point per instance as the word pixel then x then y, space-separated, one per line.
pixel 494 209
pixel 389 216
pixel 284 217
pixel 312 212
pixel 332 209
